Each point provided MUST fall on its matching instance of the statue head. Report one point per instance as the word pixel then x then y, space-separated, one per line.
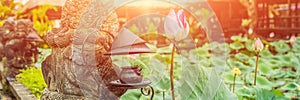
pixel 21 29
pixel 8 28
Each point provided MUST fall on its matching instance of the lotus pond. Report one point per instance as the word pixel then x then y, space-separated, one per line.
pixel 200 71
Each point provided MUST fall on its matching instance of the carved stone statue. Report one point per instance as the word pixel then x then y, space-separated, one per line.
pixel 16 46
pixel 77 67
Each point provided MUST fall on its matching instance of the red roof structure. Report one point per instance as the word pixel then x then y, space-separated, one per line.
pixel 52 14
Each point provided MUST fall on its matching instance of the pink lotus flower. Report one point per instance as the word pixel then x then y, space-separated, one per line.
pixel 250 31
pixel 176 26
pixel 272 34
pixel 293 39
pixel 258 45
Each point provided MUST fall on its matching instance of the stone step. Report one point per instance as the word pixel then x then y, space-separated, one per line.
pixel 19 90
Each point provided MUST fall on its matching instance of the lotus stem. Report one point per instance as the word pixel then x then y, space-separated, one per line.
pixel 171 71
pixel 163 95
pixel 234 82
pixel 298 93
pixel 256 69
pixel 291 47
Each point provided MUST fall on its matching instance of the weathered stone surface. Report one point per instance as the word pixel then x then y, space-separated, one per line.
pixel 15 46
pixel 20 91
pixel 77 68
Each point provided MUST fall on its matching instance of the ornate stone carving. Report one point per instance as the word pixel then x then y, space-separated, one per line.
pixel 16 47
pixel 77 68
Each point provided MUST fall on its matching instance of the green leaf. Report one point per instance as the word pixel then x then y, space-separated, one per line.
pixel 273 63
pixel 236 45
pixel 249 44
pixel 234 63
pixel 220 48
pixel 228 78
pixel 264 69
pixel 238 38
pixel 224 93
pixel 201 51
pixel 296 46
pixel 295 61
pixel 263 82
pixel 277 92
pixel 277 73
pixel 281 98
pixel 281 46
pixel 158 75
pixel 242 57
pixel 263 94
pixel 290 74
pixel 205 62
pixel 285 60
pixel 219 63
pixel 266 53
pixel 33 79
pixel 193 82
pixel 131 95
pixel 289 86
pixel 246 92
pixel 278 83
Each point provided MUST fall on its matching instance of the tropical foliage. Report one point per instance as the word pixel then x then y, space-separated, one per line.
pixel 33 79
pixel 8 8
pixel 41 22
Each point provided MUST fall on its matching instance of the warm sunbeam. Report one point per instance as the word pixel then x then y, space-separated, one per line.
pixel 150 49
pixel 150 3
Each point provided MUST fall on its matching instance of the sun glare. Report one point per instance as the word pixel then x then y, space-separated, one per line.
pixel 150 3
